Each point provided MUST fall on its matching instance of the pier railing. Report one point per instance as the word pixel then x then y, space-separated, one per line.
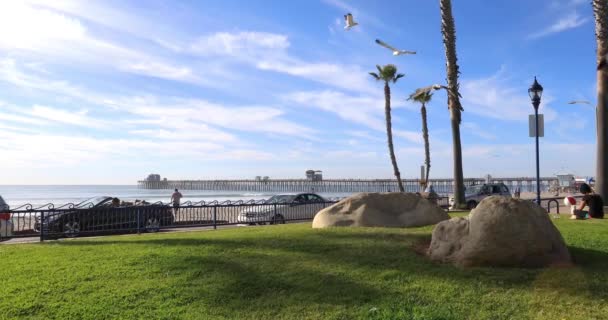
pixel 441 186
pixel 70 220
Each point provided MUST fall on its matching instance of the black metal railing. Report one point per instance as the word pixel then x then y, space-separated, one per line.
pixel 72 220
pixel 554 202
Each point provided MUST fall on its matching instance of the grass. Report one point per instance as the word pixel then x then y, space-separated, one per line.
pixel 292 272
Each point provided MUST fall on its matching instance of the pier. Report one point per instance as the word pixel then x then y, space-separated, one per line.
pixel 441 186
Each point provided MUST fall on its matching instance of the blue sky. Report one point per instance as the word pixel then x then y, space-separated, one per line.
pixel 109 91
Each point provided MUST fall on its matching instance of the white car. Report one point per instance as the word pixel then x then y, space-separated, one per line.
pixel 474 194
pixel 283 207
pixel 6 225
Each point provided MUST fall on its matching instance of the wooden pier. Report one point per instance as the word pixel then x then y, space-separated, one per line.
pixel 441 186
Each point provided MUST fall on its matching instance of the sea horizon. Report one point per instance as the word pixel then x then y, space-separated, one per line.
pixel 39 195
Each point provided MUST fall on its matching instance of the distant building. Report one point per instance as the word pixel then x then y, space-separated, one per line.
pixel 310 175
pixel 318 175
pixel 314 175
pixel 153 178
pixel 265 178
pixel 258 178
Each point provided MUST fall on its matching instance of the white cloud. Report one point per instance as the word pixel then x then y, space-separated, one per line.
pixel 569 124
pixel 475 129
pixel 336 26
pixel 496 97
pixel 346 77
pixel 19 76
pixel 241 44
pixel 184 132
pixel 161 70
pixel 570 21
pixel 190 113
pixel 34 151
pixel 361 110
pixel 24 27
pixel 21 119
pixel 365 110
pixel 79 118
pixel 363 135
pixel 45 116
pixel 269 52
pixel 52 35
pixel 411 136
pixel 349 154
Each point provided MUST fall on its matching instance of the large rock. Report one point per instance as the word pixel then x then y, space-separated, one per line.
pixel 380 210
pixel 500 232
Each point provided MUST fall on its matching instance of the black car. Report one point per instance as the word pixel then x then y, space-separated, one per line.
pixel 100 215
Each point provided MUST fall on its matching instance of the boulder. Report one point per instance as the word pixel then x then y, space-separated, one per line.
pixel 431 196
pixel 380 210
pixel 502 232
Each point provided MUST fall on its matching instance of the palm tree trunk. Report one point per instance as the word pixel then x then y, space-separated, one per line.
pixel 600 10
pixel 389 134
pixel 448 31
pixel 427 151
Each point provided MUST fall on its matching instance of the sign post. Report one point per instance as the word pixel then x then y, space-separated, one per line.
pixel 537 129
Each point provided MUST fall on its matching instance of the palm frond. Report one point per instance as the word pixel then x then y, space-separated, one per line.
pixel 397 77
pixel 424 97
pixel 375 75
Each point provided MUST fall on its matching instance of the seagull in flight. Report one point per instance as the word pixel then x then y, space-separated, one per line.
pixel 603 62
pixel 579 102
pixel 421 91
pixel 396 52
pixel 350 22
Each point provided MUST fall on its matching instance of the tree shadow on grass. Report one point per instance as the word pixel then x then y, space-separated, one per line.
pixel 282 262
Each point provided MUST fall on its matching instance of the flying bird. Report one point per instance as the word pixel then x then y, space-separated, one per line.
pixel 396 52
pixel 350 22
pixel 603 62
pixel 421 91
pixel 579 102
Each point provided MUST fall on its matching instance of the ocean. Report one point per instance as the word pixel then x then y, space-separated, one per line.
pixel 19 195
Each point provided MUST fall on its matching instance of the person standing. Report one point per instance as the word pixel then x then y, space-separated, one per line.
pixel 176 197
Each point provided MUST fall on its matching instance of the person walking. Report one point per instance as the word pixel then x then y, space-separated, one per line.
pixel 176 197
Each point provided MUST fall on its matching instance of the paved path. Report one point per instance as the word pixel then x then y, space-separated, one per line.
pixel 187 229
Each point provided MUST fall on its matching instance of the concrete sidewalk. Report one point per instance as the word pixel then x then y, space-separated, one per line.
pixel 168 230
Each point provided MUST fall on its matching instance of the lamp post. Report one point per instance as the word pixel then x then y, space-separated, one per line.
pixel 536 92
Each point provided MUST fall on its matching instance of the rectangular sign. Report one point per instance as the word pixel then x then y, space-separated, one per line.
pixel 532 126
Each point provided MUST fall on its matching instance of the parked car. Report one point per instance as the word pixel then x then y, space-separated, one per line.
pixel 474 194
pixel 101 215
pixel 283 207
pixel 6 224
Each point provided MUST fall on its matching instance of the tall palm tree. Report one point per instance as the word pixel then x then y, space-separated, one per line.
pixel 424 98
pixel 448 30
pixel 387 74
pixel 600 10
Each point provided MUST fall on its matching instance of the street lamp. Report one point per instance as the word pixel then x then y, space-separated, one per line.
pixel 536 92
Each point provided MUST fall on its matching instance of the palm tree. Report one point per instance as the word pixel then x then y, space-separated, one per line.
pixel 448 30
pixel 388 73
pixel 600 10
pixel 424 98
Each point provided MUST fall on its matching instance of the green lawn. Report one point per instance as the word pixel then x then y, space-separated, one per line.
pixel 292 272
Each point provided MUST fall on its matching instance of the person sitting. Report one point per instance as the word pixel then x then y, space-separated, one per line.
pixel 115 202
pixel 591 200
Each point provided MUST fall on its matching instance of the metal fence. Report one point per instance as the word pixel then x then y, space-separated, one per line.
pixel 50 222
pixel 70 220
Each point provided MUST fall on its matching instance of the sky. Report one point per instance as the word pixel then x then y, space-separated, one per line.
pixel 107 92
